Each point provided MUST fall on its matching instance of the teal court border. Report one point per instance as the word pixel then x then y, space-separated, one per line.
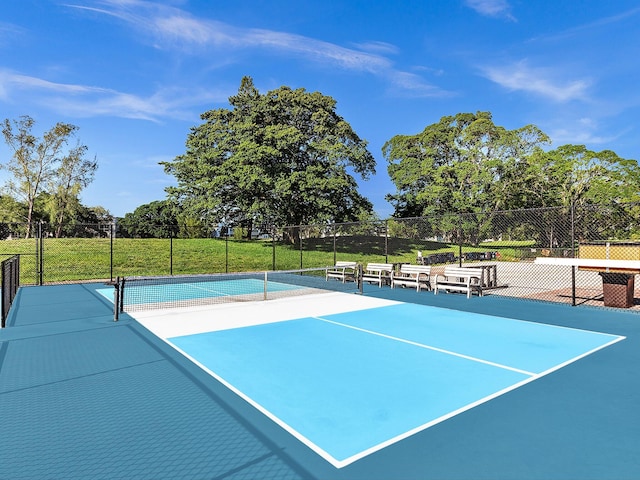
pixel 84 397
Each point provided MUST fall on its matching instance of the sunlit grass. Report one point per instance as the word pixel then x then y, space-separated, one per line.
pixel 75 259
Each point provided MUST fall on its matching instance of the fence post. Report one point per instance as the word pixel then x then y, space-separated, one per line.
pixel 273 247
pixel 573 229
pixel 170 251
pixel 300 237
pixel 386 241
pixel 112 234
pixel 460 241
pixel 226 250
pixel 36 237
pixel 40 280
pixel 335 258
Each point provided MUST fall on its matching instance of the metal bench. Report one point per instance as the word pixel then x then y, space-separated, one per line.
pixel 459 279
pixel 412 276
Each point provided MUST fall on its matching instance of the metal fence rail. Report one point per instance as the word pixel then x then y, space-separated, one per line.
pixel 509 240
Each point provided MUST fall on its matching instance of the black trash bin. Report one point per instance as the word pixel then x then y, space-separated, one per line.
pixel 617 289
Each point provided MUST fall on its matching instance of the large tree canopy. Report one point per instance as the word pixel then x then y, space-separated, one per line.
pixel 465 164
pixel 285 157
pixel 575 175
pixel 462 164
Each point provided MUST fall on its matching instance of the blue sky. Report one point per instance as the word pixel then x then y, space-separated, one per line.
pixel 135 75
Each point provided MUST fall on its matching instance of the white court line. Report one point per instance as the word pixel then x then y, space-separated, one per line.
pixel 210 290
pixel 430 347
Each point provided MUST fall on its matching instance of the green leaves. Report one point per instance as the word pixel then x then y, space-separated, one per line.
pixel 282 157
pixel 46 166
pixel 462 164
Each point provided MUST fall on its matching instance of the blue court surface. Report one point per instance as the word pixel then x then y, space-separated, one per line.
pixel 350 384
pixel 394 384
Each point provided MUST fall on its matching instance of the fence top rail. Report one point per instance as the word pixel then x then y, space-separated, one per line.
pixel 589 262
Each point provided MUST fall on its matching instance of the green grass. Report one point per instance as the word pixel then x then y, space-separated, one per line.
pixel 75 259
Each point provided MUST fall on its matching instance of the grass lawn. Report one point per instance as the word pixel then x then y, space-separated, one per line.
pixel 75 259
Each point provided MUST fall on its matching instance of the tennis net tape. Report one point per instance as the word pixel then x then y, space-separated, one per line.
pixel 143 293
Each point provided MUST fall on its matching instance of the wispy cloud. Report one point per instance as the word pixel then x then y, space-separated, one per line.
pixel 492 8
pixel 540 81
pixel 9 32
pixel 89 101
pixel 583 131
pixel 172 28
pixel 591 26
pixel 377 47
pixel 414 86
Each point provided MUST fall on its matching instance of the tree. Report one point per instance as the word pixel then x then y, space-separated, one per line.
pixel 577 179
pixel 38 162
pixel 462 164
pixel 12 211
pixel 72 175
pixel 152 220
pixel 282 157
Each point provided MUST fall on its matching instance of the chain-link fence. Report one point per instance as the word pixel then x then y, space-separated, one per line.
pixel 505 243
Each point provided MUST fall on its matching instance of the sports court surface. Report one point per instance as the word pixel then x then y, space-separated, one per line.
pixel 392 384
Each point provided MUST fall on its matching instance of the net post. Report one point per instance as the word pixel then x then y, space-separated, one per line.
pixel 264 297
pixel 116 300
pixel 359 279
pixel 121 306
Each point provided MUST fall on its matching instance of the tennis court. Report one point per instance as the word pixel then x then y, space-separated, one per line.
pixel 389 384
pixel 349 375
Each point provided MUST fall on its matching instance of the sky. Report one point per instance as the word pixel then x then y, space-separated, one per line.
pixel 135 75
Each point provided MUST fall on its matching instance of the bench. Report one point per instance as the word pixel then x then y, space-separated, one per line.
pixel 459 279
pixel 412 276
pixel 378 273
pixel 343 271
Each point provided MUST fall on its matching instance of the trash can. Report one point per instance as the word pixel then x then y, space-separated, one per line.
pixel 617 289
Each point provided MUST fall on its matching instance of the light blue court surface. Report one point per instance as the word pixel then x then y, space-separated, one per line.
pixel 350 384
pixel 158 293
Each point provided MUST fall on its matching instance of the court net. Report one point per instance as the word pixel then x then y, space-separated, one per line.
pixel 143 293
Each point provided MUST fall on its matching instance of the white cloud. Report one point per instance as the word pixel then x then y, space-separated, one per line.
pixel 591 28
pixel 415 86
pixel 578 136
pixel 172 28
pixel 540 81
pixel 562 136
pixel 492 8
pixel 88 101
pixel 379 47
pixel 9 32
pixel 582 131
